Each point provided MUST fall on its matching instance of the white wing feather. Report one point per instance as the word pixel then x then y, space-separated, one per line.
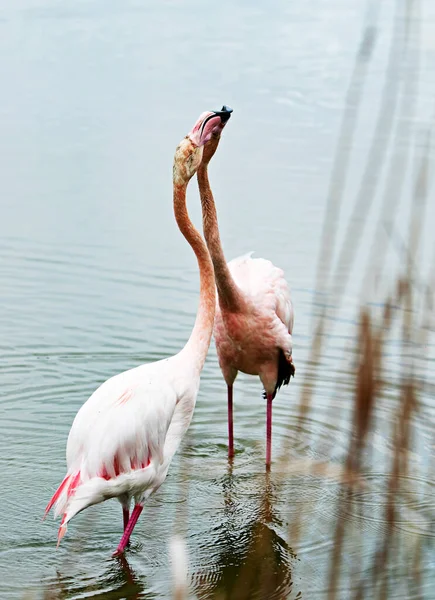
pixel 117 441
pixel 127 416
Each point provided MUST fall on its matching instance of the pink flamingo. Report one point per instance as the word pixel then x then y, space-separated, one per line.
pixel 124 437
pixel 254 316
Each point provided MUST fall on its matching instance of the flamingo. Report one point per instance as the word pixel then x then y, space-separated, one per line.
pixel 123 438
pixel 254 316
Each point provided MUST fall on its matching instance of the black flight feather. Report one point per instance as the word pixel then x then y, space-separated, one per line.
pixel 285 371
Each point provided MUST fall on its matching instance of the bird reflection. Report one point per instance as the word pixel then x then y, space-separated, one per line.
pixel 119 578
pixel 130 588
pixel 255 560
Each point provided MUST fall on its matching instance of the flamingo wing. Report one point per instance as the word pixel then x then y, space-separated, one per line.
pixel 118 432
pixel 265 284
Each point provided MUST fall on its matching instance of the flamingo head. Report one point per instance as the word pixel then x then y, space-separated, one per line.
pixel 212 143
pixel 188 154
pixel 208 125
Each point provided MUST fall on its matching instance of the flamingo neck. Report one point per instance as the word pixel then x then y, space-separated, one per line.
pixel 198 343
pixel 230 297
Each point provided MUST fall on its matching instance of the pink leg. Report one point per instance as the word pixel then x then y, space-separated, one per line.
pixel 125 516
pixel 269 431
pixel 128 530
pixel 230 422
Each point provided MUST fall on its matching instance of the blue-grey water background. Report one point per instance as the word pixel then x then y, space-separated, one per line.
pixel 95 277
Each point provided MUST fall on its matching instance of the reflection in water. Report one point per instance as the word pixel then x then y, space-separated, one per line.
pixel 125 580
pixel 255 561
pixel 118 582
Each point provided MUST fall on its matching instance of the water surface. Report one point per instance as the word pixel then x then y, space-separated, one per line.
pixel 95 277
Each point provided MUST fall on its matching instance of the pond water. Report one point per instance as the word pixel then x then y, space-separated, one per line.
pixel 95 278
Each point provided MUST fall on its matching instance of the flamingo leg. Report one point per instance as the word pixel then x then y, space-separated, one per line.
pixel 128 530
pixel 230 422
pixel 269 432
pixel 125 516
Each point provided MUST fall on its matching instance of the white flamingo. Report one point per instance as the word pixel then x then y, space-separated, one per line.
pixel 254 316
pixel 123 438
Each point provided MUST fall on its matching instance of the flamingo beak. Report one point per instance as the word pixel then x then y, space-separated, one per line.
pixel 224 113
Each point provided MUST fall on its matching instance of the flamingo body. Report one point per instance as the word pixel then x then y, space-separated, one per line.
pixel 254 314
pixel 250 339
pixel 123 438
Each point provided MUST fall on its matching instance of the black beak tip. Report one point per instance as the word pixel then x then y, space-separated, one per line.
pixel 224 113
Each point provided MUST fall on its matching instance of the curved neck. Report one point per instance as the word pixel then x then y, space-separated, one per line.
pixel 230 296
pixel 199 341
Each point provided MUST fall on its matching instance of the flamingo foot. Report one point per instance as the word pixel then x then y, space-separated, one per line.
pixel 128 530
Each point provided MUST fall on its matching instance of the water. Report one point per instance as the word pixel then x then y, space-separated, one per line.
pixel 95 278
